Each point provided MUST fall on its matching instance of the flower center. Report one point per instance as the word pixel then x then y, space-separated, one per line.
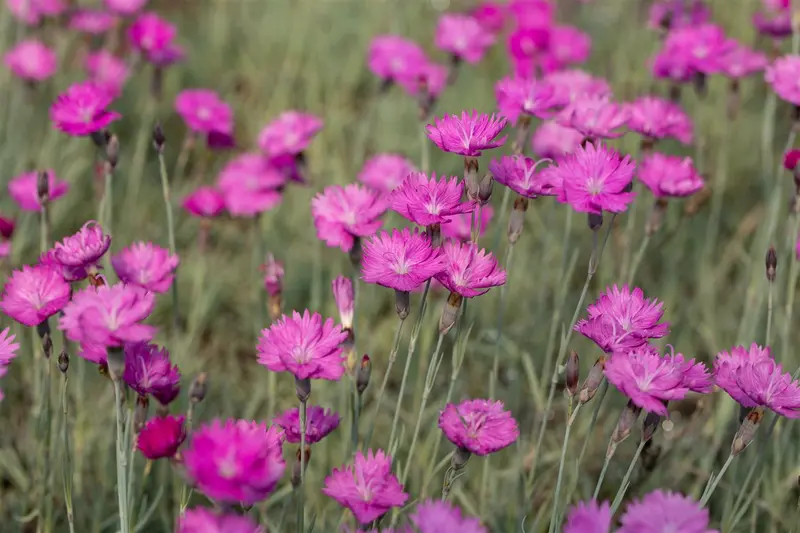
pixel 594 186
pixel 526 45
pixel 227 469
pixel 299 354
pixel 460 43
pixel 397 65
pixel 203 113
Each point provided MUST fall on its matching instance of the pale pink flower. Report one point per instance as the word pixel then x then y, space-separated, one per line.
pixel 289 133
pixel 107 71
pixel 33 294
pixel 551 140
pixel 125 7
pixel 93 21
pixel 782 75
pixel 384 172
pixel 463 37
pixel 669 176
pixel 250 185
pixel 204 111
pixel 31 60
pixel 567 46
pixel 392 58
pixel 571 84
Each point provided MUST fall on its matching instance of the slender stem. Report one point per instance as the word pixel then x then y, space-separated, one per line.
pixel 770 296
pixel 44 228
pixel 556 502
pixel 717 478
pixel 595 414
pixel 382 391
pixel 637 260
pixel 791 289
pixel 357 405
pixel 186 493
pixel 67 458
pixel 623 488
pixel 503 209
pixel 612 448
pixel 425 149
pixel 183 155
pixel 301 489
pixel 108 200
pixel 121 460
pixel 165 193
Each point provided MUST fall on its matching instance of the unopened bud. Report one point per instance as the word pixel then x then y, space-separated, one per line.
pixel 772 263
pixel 593 380
pixel 650 425
pixel 517 219
pixel 302 387
pixel 460 458
pixel 100 138
pixel 700 84
pixel 434 232
pixel 63 361
pixel 471 181
pixel 656 217
pixel 197 391
pixel 43 330
pixel 734 99
pixel 747 431
pixel 356 253
pixel 274 305
pixel 362 374
pixel 116 363
pixel 627 419
pixel 450 312
pixel 140 413
pixel 43 186
pixel 523 126
pixel 158 138
pixel 595 221
pixel 297 477
pixel 572 373
pixel 485 189
pixel 402 303
pixel 112 151
pixel 628 187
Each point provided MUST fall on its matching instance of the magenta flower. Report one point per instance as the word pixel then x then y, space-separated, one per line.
pixel 741 61
pixel 478 426
pixel 532 13
pixel 402 260
pixel 304 346
pixel 673 64
pixel 439 516
pixel 427 201
pixel 31 12
pixel 669 175
pixel 161 436
pixel 392 58
pixel 199 520
pixel 205 202
pixel 33 294
pixel 662 511
pixel 656 118
pixel 150 34
pixel 462 37
pixel 92 21
pixel 82 109
pixel 8 351
pixel 204 111
pixel 235 461
pixel 319 424
pixel 490 15
pixel 24 189
pixel 468 134
pixel 147 266
pixel 567 46
pixel 524 45
pixel 696 376
pixel 69 273
pixel 125 7
pixel 343 213
pixel 569 85
pixel 589 517
pixel 385 172
pixel 776 24
pixel 524 96
pixel 519 173
pixel 469 271
pixel 107 71
pixel 596 117
pixel 149 372
pixel 84 249
pixel 551 140
pixel 782 75
pixel 164 57
pixel 345 300
pixel 430 79
pixel 367 487
pixel 289 133
pixel 250 185
pixel 31 60
pixel 459 226
pixel 700 47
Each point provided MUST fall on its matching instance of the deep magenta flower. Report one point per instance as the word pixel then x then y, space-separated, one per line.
pixel 204 111
pixel 402 260
pixel 524 96
pixel 596 117
pixel 149 372
pixel 656 118
pixel 205 202
pixel 741 61
pixel 594 179
pixel 82 109
pixel 367 487
pixel 392 58
pixel 469 271
pixel 161 437
pixel 696 376
pixel 490 15
pixel 551 140
pixel 782 75
pixel 31 60
pixel 107 71
pixel 343 213
pixel 479 426
pixel 69 273
pixel 33 294
pixel 199 520
pixel 24 189
pixel 147 266
pixel 567 46
pixel 571 84
pixel 384 172
pixel 319 424
pixel 439 516
pixel 468 134
pixel 345 300
pixel 289 133
pixel 150 34
pixel 662 511
pixel 304 346
pixel 669 175
pixel 250 185
pixel 83 249
pixel 520 174
pixel 426 201
pixel 8 351
pixel 589 517
pixel 236 461
pixel 92 21
pixel 463 37
pixel 459 226
pixel 125 7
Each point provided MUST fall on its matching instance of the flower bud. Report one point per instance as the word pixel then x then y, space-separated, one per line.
pixel 112 151
pixel 471 177
pixel 362 374
pixel 402 303
pixel 595 221
pixel 197 391
pixel 460 459
pixel 627 419
pixel 523 127
pixel 572 373
pixel 593 380
pixel 356 253
pixel 100 138
pixel 116 363
pixel 344 296
pixel 771 263
pixel 434 232
pixel 450 312
pixel 140 413
pixel 302 387
pixel 656 217
pixel 296 468
pixel 485 189
pixel 43 186
pixel 517 218
pixel 650 425
pixel 158 138
pixel 43 330
pixel 63 361
pixel 747 431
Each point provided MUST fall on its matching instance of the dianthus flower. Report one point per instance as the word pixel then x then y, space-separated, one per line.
pixel 164 57
pixel 304 346
pixel 524 96
pixel 150 34
pixel 92 21
pixel 741 61
pixel 662 511
pixel 161 436
pixel 289 133
pixel 698 47
pixel 490 15
pixel 429 80
pixel 551 140
pixel 149 372
pixel 125 7
pixel 345 300
pixel 596 117
pixel 656 118
pixel 32 11
pixel 571 84
pixel 479 426
pixel 594 179
pixel 402 260
pixel 567 46
pixel 205 202
pixel 532 13
pixel 589 517
pixel 343 213
pixel 669 175
pixel 69 273
pixel 622 319
pixel 147 266
pixel 774 23
pixel 31 60
pixel 236 461
pixel 426 201
pixel 204 111
pixel 107 71
pixel 250 185
pixel 524 45
pixel 319 424
pixel 384 172
pixel 519 173
pixel 439 516
pixel 81 110
pixel 392 58
pixel 24 189
pixel 782 75
pixel 367 487
pixel 8 351
pixel 469 271
pixel 83 249
pixel 459 227
pixel 468 134
pixel 199 520
pixel 33 294
pixel 463 37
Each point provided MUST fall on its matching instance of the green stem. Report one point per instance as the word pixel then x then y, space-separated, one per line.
pixel 301 489
pixel 791 291
pixel 165 193
pixel 715 482
pixel 66 458
pixel 770 297
pixel 425 155
pixel 382 391
pixel 595 414
pixel 503 209
pixel 122 485
pixel 623 488
pixel 637 260
pixel 612 448
pixel 556 503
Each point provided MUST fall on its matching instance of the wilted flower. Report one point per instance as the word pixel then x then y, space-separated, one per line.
pixel 149 372
pixel 392 58
pixel 82 109
pixel 384 172
pixel 782 75
pixel 107 71
pixel 235 461
pixel 319 423
pixel 151 34
pixel 519 173
pixel 343 213
pixel 147 266
pixel 551 140
pixel 92 21
pixel 468 134
pixel 741 61
pixel 250 185
pixel 657 118
pixel 199 520
pixel 204 111
pixel 566 46
pixel 459 227
pixel 345 300
pixel 205 202
pixel 524 96
pixel 589 517
pixel 665 511
pixel 439 516
pixel 31 60
pixel 367 487
pixel 427 201
pixel 125 7
pixel 479 426
pixel 402 260
pixel 24 189
pixel 161 436
pixel 668 175
pixel 469 271
pixel 83 249
pixel 596 117
pixel 33 294
pixel 463 37
pixel 289 133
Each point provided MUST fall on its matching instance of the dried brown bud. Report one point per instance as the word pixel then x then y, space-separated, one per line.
pixel 656 217
pixel 450 312
pixel 747 431
pixel 402 303
pixel 158 138
pixel 572 373
pixel 112 151
pixel 593 380
pixel 771 263
pixel 63 361
pixel 363 373
pixel 197 391
pixel 434 232
pixel 296 468
pixel 43 186
pixel 302 387
pixel 627 419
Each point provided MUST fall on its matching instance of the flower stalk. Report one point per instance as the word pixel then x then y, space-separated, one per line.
pixel 159 143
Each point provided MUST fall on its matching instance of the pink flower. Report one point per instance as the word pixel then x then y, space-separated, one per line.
pixel 319 424
pixel 199 520
pixel 273 275
pixel 429 78
pixel 367 487
pixel 532 13
pixel 147 266
pixel 551 140
pixel 150 34
pixel 478 426
pixel 164 57
pixel 468 134
pixel 402 260
pixel 782 75
pixel 524 45
pixel 669 175
pixel 205 202
pixel 92 21
pixel 31 12
pixel 594 179
pixel 8 351
pixel 31 60
pixel 667 14
pixel 459 226
pixel 589 517
pixel 524 96
pixel 469 271
pixel 204 112
pixel 392 58
pixel 289 133
pixel 569 85
pixel 24 189
pixel 463 37
pixel 34 294
pixel 345 300
pixel 69 273
pixel 149 371
pixel 161 437
pixel 567 46
pixel 774 23
pixel 665 511
pixel 82 109
pixel 107 71
pixel 250 185
pixel 428 201
pixel 439 516
pixel 596 117
pixel 673 65
pixel 83 249
pixel 702 47
pixel 490 15
pixel 657 118
pixel 304 346
pixel 384 172
pixel 236 461
pixel 519 173
pixel 125 7
pixel 696 376
pixel 343 213
pixel 741 61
